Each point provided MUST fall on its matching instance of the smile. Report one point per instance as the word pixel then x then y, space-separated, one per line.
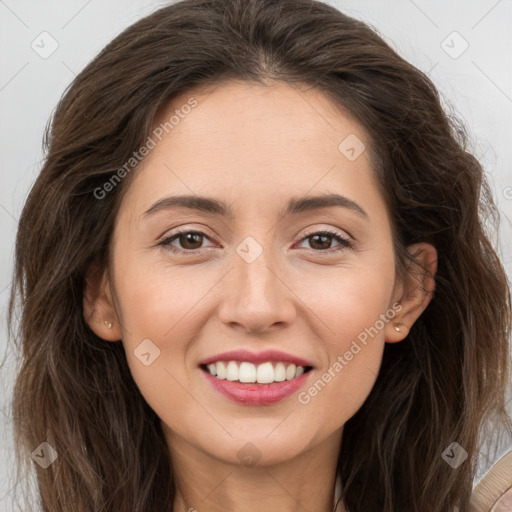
pixel 265 373
pixel 262 378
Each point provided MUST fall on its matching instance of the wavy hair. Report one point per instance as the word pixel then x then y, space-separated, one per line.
pixel 75 391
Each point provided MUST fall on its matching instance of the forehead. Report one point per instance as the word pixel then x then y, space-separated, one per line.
pixel 278 114
pixel 249 140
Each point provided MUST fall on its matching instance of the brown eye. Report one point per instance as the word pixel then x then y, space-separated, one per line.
pixel 188 241
pixel 321 241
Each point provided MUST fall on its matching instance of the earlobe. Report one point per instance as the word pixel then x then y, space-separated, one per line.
pixel 416 292
pixel 396 331
pixel 99 311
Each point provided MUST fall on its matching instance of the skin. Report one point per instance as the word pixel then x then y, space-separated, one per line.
pixel 254 147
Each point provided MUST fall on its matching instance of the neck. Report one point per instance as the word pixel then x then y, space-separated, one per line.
pixel 207 484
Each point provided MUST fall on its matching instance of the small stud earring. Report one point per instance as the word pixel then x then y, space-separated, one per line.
pixel 108 324
pixel 397 328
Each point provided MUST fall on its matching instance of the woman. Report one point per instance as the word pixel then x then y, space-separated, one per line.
pixel 253 275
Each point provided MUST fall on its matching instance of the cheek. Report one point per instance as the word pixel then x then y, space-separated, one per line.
pixel 158 309
pixel 159 301
pixel 354 312
pixel 340 388
pixel 158 306
pixel 348 301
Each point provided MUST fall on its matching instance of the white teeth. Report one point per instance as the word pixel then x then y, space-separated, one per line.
pixel 290 372
pixel 247 372
pixel 221 370
pixel 264 373
pixel 232 371
pixel 279 372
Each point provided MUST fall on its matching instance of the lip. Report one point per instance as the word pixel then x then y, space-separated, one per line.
pixel 256 394
pixel 257 357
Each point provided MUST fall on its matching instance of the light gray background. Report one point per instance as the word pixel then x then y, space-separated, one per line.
pixel 477 83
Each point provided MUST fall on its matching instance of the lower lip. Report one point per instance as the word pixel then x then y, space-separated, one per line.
pixel 256 394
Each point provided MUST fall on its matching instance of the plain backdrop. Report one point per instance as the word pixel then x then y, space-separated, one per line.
pixel 464 46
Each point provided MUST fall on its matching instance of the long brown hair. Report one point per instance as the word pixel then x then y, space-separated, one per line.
pixel 75 391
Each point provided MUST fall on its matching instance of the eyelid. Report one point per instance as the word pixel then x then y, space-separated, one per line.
pixel 185 229
pixel 333 231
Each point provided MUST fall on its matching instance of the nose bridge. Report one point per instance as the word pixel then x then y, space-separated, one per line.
pixel 256 282
pixel 256 298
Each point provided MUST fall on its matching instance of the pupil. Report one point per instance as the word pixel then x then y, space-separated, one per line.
pixel 189 238
pixel 316 237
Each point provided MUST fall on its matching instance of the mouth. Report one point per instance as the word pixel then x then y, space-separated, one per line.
pixel 262 378
pixel 249 373
pixel 245 372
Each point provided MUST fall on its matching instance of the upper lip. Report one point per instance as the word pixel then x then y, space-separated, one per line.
pixel 256 357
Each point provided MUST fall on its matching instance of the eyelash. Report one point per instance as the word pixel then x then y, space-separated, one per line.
pixel 345 243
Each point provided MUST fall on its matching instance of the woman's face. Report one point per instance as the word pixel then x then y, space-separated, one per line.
pixel 259 285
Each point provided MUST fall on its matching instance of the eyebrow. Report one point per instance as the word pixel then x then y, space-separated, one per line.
pixel 217 207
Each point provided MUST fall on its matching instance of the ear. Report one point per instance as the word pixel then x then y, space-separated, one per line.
pixel 415 294
pixel 99 311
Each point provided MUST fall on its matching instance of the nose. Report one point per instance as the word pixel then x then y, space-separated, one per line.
pixel 257 298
